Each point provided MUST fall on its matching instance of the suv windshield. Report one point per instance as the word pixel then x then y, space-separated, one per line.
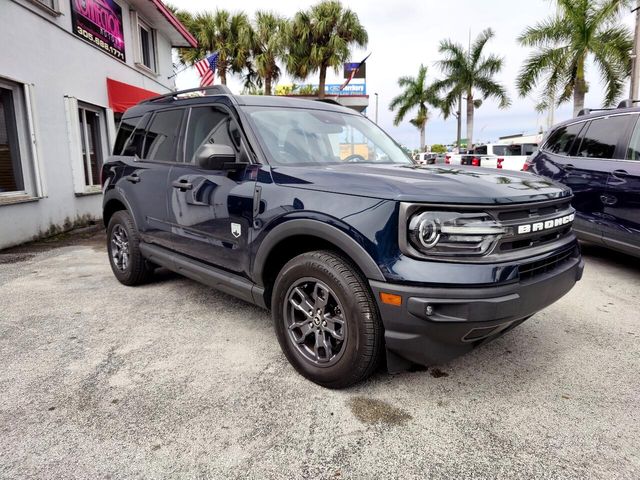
pixel 295 136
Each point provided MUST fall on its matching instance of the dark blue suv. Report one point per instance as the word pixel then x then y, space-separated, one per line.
pixel 309 209
pixel 597 154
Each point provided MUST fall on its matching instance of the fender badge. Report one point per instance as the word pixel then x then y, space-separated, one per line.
pixel 236 229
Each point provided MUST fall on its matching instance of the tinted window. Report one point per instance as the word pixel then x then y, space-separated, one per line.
pixel 127 126
pixel 529 148
pixel 482 150
pixel 161 139
pixel 210 125
pixel 601 137
pixel 633 152
pixel 561 141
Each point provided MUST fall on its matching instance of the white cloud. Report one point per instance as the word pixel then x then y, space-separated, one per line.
pixel 405 33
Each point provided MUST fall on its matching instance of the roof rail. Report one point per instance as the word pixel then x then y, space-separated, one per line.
pixel 214 89
pixel 627 103
pixel 587 111
pixel 328 100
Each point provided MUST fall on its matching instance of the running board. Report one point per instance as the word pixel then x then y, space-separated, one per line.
pixel 219 279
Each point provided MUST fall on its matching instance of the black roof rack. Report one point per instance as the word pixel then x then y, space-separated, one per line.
pixel 214 89
pixel 627 103
pixel 328 100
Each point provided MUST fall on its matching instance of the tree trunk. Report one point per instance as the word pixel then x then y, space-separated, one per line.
pixel 579 89
pixel 222 73
pixel 469 120
pixel 323 79
pixel 423 128
pixel 267 85
pixel 459 133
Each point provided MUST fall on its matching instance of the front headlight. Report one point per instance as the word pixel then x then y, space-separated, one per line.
pixel 453 233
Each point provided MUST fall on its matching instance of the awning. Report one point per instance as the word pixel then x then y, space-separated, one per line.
pixel 123 95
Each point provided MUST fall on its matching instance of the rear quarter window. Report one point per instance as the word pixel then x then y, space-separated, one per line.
pixel 127 127
pixel 562 140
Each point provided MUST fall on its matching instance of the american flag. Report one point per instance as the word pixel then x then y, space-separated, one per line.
pixel 353 73
pixel 206 68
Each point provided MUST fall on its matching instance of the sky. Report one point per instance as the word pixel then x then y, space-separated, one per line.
pixel 406 33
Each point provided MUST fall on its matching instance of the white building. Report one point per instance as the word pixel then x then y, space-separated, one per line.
pixel 68 69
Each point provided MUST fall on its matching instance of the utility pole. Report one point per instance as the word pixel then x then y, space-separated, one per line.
pixel 377 106
pixel 634 93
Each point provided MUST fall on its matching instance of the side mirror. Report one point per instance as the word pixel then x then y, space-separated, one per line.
pixel 211 156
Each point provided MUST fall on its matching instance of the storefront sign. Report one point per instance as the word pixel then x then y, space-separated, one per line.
pixel 351 89
pixel 99 22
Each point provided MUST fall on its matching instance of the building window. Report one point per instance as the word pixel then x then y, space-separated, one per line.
pixel 50 6
pixel 92 142
pixel 10 164
pixel 146 46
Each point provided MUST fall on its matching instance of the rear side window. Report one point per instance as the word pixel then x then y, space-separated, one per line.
pixel 633 151
pixel 601 138
pixel 529 148
pixel 561 141
pixel 161 138
pixel 127 126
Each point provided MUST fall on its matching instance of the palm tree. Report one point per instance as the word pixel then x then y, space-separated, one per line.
pixel 228 34
pixel 268 46
pixel 467 73
pixel 417 94
pixel 321 38
pixel 563 43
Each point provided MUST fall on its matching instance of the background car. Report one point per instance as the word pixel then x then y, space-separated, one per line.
pixel 597 154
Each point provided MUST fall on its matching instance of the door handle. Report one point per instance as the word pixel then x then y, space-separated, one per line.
pixel 608 200
pixel 620 173
pixel 133 178
pixel 569 167
pixel 183 185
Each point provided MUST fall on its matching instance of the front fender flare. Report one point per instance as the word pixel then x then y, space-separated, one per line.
pixel 322 230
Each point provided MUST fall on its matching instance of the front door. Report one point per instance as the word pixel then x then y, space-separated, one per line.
pixel 211 212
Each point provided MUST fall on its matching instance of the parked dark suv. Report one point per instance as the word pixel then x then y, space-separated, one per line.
pixel 309 209
pixel 597 154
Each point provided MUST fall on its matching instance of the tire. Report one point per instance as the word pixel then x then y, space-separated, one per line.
pixel 312 343
pixel 123 246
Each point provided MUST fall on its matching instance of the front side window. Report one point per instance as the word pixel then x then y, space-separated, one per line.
pixel 601 138
pixel 561 142
pixel 91 139
pixel 209 125
pixel 161 138
pixel 633 151
pixel 294 136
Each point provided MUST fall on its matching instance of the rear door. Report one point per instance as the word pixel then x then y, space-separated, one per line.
pixel 151 150
pixel 211 212
pixel 622 200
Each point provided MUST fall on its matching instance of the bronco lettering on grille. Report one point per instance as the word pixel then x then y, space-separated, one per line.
pixel 541 226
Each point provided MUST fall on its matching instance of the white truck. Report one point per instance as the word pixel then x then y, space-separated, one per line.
pixel 507 156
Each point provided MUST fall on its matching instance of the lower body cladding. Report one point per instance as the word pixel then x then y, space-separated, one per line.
pixel 433 325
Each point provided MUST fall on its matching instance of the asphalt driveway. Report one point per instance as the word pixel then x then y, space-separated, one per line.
pixel 175 380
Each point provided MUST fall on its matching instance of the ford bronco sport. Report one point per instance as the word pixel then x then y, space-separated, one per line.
pixel 310 210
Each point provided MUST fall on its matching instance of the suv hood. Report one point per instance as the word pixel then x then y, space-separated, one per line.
pixel 427 184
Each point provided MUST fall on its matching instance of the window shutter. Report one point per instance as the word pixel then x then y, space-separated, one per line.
pixel 75 143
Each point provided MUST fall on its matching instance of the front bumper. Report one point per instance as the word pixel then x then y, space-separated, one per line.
pixel 463 318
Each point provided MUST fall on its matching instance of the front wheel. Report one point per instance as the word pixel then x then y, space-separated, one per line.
pixel 326 320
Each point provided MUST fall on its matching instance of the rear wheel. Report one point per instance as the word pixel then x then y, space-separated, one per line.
pixel 123 245
pixel 326 320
